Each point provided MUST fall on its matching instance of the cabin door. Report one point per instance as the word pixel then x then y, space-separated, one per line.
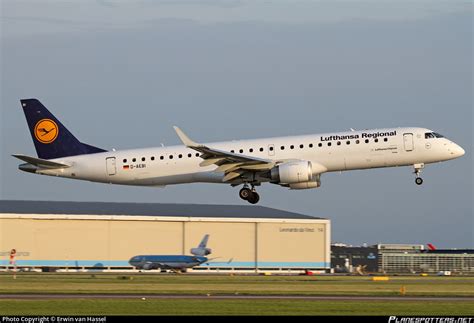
pixel 408 142
pixel 111 168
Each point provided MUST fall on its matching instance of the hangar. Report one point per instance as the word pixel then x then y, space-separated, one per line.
pixel 85 235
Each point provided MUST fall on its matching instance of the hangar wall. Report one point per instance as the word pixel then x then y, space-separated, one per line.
pixel 109 241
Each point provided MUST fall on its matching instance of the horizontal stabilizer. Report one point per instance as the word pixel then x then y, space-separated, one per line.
pixel 43 163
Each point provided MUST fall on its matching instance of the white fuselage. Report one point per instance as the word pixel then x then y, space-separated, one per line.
pixel 345 151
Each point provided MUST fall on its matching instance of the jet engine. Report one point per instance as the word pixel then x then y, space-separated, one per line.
pixel 292 172
pixel 305 185
pixel 298 175
pixel 148 266
pixel 201 251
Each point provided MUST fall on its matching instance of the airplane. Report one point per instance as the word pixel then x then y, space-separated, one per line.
pixel 294 162
pixel 175 263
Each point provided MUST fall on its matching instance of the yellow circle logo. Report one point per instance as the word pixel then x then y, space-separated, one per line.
pixel 46 131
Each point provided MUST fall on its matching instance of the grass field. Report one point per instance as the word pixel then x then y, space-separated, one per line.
pixel 230 307
pixel 29 283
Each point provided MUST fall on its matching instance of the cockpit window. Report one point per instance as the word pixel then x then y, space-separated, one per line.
pixel 430 135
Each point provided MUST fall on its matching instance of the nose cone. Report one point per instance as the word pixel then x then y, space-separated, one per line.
pixel 458 151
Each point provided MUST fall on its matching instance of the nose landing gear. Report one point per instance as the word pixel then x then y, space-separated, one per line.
pixel 249 195
pixel 418 169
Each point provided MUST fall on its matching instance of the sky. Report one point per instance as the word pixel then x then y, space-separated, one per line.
pixel 119 74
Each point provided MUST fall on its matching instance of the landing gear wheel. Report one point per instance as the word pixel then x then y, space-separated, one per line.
pixel 253 198
pixel 418 169
pixel 245 193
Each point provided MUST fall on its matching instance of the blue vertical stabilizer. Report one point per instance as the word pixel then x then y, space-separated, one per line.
pixel 51 138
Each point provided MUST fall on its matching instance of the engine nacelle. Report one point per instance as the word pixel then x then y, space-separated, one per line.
pixel 293 172
pixel 305 185
pixel 148 266
pixel 201 251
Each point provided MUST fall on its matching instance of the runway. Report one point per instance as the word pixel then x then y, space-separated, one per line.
pixel 231 297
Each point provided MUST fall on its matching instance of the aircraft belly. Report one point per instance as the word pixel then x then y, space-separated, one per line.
pixel 176 265
pixel 151 180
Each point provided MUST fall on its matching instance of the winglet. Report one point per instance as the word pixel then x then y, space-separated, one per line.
pixel 184 138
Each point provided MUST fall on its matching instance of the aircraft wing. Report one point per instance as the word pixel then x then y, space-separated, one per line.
pixel 153 265
pixel 162 265
pixel 233 165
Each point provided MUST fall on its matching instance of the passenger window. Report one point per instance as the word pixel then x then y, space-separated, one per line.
pixel 124 160
pixel 366 141
pixel 310 145
pixel 251 150
pixel 232 151
pixel 190 155
pixel 329 144
pixel 301 146
pixel 348 142
pixel 385 139
pixel 143 158
pixel 197 154
pixel 292 147
pixel 261 149
pixel 180 156
pixel 152 157
pixel 320 145
pixel 241 151
pixel 376 140
pixel 171 156
pixel 282 147
pixel 134 160
pixel 357 141
pixel 271 148
pixel 338 143
pixel 162 157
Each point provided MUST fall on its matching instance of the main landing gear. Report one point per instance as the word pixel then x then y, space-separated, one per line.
pixel 418 169
pixel 250 195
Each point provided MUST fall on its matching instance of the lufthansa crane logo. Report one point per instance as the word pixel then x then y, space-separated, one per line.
pixel 46 131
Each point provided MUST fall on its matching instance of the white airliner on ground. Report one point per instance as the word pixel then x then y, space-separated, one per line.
pixel 295 162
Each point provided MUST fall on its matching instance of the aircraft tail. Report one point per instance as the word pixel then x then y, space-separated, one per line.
pixel 51 138
pixel 431 247
pixel 201 250
pixel 204 240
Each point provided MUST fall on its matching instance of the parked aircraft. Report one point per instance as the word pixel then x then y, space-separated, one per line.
pixel 173 262
pixel 295 162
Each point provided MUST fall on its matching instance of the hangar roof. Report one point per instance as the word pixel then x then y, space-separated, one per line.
pixel 147 209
